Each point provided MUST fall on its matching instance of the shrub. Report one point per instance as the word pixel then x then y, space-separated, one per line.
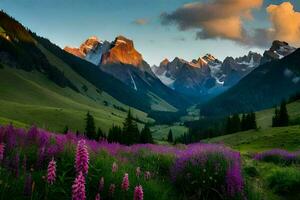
pixel 251 171
pixel 285 181
pixel 209 171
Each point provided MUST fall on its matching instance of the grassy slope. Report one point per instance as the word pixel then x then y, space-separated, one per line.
pixel 264 117
pixel 29 98
pixel 253 141
pixel 160 132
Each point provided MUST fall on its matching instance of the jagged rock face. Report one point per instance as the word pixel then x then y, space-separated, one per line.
pixel 235 69
pixel 278 50
pixel 122 51
pixel 205 75
pixel 91 50
pixel 191 78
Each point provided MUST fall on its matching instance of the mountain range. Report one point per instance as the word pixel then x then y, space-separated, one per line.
pixel 275 80
pixel 116 70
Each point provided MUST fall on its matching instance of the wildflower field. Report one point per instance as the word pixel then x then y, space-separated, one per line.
pixel 36 164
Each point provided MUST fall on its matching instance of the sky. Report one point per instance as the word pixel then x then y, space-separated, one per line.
pixel 164 28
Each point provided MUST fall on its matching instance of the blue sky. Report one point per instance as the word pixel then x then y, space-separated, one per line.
pixel 70 22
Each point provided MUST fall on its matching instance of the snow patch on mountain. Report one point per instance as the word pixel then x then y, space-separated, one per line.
pixel 133 82
pixel 166 80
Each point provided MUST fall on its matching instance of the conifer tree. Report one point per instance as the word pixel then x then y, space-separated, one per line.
pixel 170 136
pixel 130 130
pixel 228 128
pixel 100 134
pixel 90 129
pixel 283 115
pixel 244 122
pixel 66 129
pixel 115 134
pixel 236 123
pixel 146 135
pixel 275 119
pixel 252 121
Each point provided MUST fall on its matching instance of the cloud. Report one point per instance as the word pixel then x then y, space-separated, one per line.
pixel 140 22
pixel 225 19
pixel 216 19
pixel 285 23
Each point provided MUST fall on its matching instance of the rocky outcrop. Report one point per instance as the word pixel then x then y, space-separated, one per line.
pixel 122 51
pixel 278 50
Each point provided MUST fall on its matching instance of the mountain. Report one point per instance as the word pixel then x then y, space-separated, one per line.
pixel 278 50
pixel 234 69
pixel 264 87
pixel 91 50
pixel 41 83
pixel 206 75
pixel 191 78
pixel 120 59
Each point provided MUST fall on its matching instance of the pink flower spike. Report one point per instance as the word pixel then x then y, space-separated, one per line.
pixel 147 175
pixel 78 188
pixel 82 158
pixel 125 183
pixel 112 188
pixel 2 148
pixel 138 171
pixel 138 193
pixel 101 184
pixel 51 172
pixel 114 167
pixel 97 197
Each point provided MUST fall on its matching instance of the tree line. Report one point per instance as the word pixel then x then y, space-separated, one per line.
pixel 213 127
pixel 128 134
pixel 236 124
pixel 281 116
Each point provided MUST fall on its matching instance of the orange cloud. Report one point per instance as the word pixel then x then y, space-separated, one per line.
pixel 216 19
pixel 285 23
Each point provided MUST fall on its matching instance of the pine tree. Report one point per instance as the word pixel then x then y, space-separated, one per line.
pixel 170 136
pixel 228 125
pixel 252 121
pixel 66 129
pixel 244 122
pixel 130 130
pixel 115 134
pixel 275 119
pixel 100 134
pixel 90 129
pixel 283 115
pixel 146 135
pixel 235 123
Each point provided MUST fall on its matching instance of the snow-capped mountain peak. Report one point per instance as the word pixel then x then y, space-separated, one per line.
pixel 91 50
pixel 278 50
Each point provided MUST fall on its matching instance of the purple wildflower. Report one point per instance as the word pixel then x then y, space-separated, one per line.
pixel 234 180
pixel 147 175
pixel 28 185
pixel 78 188
pixel 125 182
pixel 2 148
pixel 97 197
pixel 114 167
pixel 82 158
pixel 138 171
pixel 138 193
pixel 51 173
pixel 101 184
pixel 112 189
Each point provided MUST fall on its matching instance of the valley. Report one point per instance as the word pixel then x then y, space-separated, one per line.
pixel 94 120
